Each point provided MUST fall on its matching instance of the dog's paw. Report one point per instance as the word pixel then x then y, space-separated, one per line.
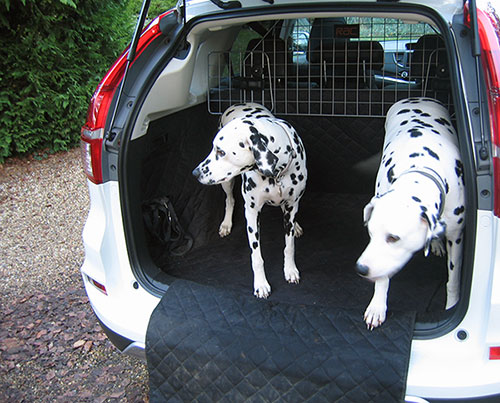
pixel 262 290
pixel 437 247
pixel 298 230
pixel 374 315
pixel 292 275
pixel 225 229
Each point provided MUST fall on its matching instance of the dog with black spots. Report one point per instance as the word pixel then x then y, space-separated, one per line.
pixel 419 200
pixel 271 158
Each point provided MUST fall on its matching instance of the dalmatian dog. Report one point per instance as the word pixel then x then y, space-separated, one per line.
pixel 419 200
pixel 248 109
pixel 271 158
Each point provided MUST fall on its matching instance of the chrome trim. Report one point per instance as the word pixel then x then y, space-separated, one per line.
pixel 93 134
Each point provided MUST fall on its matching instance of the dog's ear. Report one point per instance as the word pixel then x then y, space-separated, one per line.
pixel 435 230
pixel 265 160
pixel 367 211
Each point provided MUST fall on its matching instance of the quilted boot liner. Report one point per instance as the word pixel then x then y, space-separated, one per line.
pixel 208 344
pixel 334 237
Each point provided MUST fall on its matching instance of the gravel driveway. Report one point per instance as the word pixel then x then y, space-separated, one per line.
pixel 51 347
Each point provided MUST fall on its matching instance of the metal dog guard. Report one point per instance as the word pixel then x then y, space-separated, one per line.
pixel 331 67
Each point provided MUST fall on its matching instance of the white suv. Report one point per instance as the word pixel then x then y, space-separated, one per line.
pixel 332 69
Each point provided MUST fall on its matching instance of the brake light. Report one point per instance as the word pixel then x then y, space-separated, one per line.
pixel 91 149
pixel 92 133
pixel 489 36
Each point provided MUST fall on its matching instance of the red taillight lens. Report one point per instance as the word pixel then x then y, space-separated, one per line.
pixel 489 36
pixel 93 131
pixel 91 148
pixel 494 353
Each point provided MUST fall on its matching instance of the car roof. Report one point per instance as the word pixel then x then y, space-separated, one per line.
pixel 195 8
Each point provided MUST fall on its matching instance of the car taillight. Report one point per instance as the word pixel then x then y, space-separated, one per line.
pixel 92 133
pixel 91 147
pixel 489 36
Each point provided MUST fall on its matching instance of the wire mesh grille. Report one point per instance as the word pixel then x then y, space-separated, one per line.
pixel 330 66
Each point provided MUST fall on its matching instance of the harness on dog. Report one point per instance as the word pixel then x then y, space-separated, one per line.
pixel 436 178
pixel 292 155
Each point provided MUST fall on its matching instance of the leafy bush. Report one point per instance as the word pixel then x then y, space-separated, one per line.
pixel 52 55
pixel 156 7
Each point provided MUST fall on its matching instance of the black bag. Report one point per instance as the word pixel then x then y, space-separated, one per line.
pixel 163 225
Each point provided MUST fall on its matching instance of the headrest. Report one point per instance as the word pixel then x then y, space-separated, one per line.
pixel 429 57
pixel 322 36
pixel 354 54
pixel 264 54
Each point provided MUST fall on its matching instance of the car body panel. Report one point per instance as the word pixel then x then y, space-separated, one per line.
pixel 197 8
pixel 127 307
pixel 449 366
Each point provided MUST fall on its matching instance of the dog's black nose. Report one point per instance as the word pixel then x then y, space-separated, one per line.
pixel 361 269
pixel 196 173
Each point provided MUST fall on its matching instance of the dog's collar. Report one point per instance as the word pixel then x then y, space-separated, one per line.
pixel 436 178
pixel 292 155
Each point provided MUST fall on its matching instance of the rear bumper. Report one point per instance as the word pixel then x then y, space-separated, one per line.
pixel 484 399
pixel 126 346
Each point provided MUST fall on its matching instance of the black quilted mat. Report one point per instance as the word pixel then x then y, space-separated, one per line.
pixel 334 237
pixel 208 344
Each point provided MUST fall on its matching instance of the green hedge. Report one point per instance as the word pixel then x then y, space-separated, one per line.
pixel 156 7
pixel 53 54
